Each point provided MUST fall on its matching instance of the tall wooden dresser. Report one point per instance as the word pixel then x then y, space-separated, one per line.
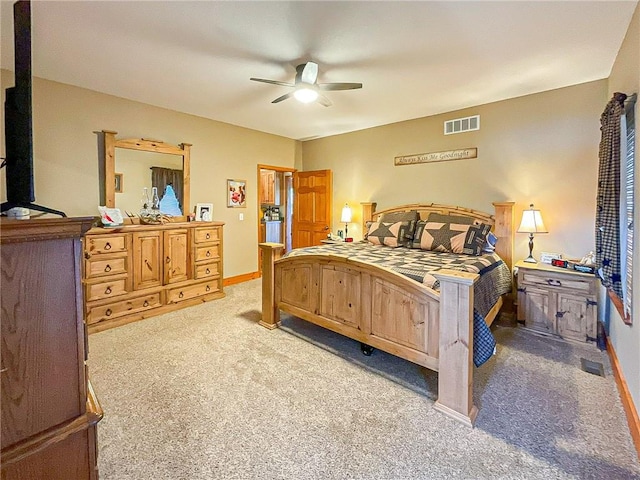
pixel 49 411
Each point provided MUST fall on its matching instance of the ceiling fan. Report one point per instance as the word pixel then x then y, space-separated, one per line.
pixel 307 89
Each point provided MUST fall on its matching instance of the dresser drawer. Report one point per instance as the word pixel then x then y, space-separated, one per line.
pixel 107 289
pixel 99 266
pixel 207 253
pixel 206 234
pixel 558 281
pixel 207 270
pixel 106 243
pixel 176 295
pixel 114 310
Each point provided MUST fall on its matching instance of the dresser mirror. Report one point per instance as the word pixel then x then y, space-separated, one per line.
pixel 127 166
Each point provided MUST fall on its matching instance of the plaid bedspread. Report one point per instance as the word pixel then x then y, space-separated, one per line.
pixel 420 265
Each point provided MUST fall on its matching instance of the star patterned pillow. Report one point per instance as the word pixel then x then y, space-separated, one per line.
pixel 451 237
pixel 389 234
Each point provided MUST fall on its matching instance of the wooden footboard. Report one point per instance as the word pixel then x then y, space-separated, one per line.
pixel 383 309
pixel 387 310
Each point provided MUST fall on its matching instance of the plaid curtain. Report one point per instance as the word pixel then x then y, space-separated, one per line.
pixel 608 199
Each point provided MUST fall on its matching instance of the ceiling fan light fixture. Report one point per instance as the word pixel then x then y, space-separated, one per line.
pixel 305 95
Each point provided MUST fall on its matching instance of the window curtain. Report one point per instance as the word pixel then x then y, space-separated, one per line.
pixel 161 177
pixel 608 197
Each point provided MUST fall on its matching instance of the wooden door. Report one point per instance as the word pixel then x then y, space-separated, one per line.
pixel 574 313
pixel 536 305
pixel 147 260
pixel 176 256
pixel 311 207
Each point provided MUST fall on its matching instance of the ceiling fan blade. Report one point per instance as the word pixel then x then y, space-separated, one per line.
pixel 339 86
pixel 307 73
pixel 273 82
pixel 322 100
pixel 283 97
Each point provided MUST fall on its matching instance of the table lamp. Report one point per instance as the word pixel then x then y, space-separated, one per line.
pixel 531 223
pixel 346 218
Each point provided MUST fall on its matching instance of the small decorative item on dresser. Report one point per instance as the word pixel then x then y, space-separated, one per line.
pixel 204 212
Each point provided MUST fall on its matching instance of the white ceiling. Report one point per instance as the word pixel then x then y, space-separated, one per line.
pixel 414 58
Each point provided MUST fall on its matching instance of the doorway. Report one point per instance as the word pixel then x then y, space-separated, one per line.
pixel 275 206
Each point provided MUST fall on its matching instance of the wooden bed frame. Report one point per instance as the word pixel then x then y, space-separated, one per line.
pixel 387 310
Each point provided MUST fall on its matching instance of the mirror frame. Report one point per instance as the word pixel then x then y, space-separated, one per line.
pixel 108 146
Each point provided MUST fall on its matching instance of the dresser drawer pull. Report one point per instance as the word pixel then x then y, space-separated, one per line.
pixel 87 255
pixel 553 282
pixel 208 253
pixel 107 246
pixel 208 288
pixel 146 303
pixel 107 268
pixel 107 291
pixel 168 260
pixel 207 271
pixel 208 236
pixel 108 312
pixel 181 295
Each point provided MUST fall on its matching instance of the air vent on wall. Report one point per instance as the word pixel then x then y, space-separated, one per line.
pixel 460 125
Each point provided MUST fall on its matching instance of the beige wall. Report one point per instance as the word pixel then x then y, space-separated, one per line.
pixel 625 77
pixel 540 148
pixel 66 157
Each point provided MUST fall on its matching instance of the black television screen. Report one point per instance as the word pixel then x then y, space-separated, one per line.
pixel 18 125
pixel 17 111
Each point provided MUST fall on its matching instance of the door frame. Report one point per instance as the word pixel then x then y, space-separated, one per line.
pixel 261 166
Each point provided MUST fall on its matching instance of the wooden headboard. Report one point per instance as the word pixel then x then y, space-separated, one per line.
pixel 501 221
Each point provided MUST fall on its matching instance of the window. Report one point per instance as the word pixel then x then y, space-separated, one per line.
pixel 627 167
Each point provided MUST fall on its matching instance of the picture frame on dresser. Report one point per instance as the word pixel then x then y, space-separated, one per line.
pixel 204 212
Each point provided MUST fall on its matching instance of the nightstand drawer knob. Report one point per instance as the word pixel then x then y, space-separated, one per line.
pixel 553 282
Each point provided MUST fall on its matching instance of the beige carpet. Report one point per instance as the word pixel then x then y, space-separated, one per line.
pixel 206 393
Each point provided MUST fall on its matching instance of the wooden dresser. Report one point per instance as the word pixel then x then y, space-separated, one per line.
pixel 557 301
pixel 49 411
pixel 138 271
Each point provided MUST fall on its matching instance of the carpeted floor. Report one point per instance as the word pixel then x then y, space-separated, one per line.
pixel 206 393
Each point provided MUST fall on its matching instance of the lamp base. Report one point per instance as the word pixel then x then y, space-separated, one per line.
pixel 530 259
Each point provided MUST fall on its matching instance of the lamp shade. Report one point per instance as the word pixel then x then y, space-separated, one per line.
pixel 532 222
pixel 346 214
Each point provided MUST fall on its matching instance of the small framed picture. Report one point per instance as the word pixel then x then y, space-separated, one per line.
pixel 204 212
pixel 236 193
pixel 118 178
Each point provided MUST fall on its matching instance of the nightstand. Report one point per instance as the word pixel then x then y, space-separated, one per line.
pixel 557 301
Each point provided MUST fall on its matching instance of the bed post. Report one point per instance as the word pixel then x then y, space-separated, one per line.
pixel 270 312
pixel 367 214
pixel 504 230
pixel 455 363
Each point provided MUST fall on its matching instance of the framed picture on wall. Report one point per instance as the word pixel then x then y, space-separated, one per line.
pixel 204 212
pixel 236 193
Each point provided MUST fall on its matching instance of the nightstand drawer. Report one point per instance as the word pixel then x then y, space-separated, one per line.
pixel 557 281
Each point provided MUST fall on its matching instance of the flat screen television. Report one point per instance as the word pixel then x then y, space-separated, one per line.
pixel 18 126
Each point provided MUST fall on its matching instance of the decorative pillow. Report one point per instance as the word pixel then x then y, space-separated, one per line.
pixel 451 237
pixel 446 218
pixel 490 245
pixel 410 216
pixel 389 234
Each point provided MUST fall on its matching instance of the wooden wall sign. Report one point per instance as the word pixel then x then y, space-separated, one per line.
pixel 446 156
